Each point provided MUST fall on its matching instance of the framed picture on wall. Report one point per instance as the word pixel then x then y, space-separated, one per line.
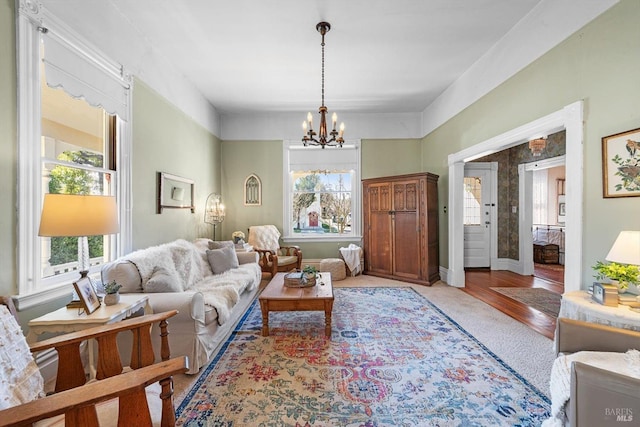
pixel 621 164
pixel 562 209
pixel 174 192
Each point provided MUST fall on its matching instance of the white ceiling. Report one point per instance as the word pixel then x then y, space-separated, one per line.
pixel 247 56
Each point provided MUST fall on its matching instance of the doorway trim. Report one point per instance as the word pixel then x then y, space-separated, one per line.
pixel 569 118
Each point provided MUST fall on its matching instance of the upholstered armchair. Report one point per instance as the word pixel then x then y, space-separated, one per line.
pixel 119 395
pixel 595 371
pixel 265 240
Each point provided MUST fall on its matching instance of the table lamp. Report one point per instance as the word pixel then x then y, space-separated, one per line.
pixel 72 215
pixel 626 248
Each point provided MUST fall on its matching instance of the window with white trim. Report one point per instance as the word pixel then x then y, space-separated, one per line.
pixel 74 138
pixel 322 192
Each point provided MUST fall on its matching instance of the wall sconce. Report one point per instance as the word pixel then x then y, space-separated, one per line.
pixel 214 211
pixel 537 146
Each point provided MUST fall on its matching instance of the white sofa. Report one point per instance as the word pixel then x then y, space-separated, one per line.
pixel 211 287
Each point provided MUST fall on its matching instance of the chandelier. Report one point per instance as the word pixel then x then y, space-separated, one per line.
pixel 537 146
pixel 323 139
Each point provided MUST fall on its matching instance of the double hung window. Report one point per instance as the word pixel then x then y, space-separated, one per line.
pixel 74 138
pixel 322 192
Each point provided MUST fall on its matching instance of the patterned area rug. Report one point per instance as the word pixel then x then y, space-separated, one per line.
pixel 539 298
pixel 394 359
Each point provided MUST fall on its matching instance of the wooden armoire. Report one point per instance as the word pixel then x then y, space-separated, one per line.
pixel 401 227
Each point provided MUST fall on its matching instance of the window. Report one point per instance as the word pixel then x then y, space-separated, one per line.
pixel 78 157
pixel 74 138
pixel 540 190
pixel 472 198
pixel 322 193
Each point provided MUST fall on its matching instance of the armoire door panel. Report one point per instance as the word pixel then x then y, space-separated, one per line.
pixel 406 254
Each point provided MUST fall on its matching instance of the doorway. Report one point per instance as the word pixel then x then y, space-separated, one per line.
pixel 570 119
pixel 480 207
pixel 547 219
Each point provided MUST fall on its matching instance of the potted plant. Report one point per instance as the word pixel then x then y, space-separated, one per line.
pixel 620 274
pixel 111 290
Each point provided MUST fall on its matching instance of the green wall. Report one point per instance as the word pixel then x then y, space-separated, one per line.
pixel 167 140
pixel 265 159
pixel 598 64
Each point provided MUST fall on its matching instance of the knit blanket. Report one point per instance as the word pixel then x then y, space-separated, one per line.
pixel 560 384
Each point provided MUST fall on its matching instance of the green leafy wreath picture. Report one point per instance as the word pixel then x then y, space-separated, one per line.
pixel 621 164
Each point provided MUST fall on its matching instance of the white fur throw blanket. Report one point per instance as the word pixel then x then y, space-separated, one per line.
pixel 185 264
pixel 560 384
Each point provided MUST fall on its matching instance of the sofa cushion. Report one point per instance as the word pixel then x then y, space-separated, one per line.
pixel 222 259
pixel 219 245
pixel 124 273
pixel 163 280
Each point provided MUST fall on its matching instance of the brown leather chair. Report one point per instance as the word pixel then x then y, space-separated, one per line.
pixel 265 240
pixel 595 394
pixel 80 402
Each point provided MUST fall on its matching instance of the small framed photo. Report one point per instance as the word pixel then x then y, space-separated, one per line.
pixel 621 164
pixel 87 295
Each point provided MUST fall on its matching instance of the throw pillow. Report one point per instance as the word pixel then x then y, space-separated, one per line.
pixel 219 245
pixel 163 280
pixel 222 259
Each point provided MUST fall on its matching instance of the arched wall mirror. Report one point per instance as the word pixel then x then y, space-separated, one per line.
pixel 252 191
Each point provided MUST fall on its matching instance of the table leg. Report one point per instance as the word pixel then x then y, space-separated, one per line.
pixel 264 308
pixel 328 309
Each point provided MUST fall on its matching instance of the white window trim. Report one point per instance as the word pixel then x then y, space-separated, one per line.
pixel 31 292
pixel 356 194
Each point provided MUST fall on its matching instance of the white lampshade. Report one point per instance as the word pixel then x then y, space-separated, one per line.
pixel 67 215
pixel 626 248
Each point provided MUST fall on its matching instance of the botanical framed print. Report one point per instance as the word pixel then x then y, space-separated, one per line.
pixel 621 164
pixel 87 295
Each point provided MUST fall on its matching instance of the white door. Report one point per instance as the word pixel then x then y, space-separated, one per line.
pixel 477 216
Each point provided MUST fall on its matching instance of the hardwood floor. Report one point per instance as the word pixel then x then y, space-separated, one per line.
pixel 479 281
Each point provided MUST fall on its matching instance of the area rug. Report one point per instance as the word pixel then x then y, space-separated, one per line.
pixel 394 359
pixel 539 298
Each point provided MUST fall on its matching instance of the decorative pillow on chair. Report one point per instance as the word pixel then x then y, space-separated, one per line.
pixel 222 259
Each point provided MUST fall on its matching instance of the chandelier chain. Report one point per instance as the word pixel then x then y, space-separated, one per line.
pixel 322 44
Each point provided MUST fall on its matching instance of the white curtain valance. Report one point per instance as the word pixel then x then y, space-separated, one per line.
pixel 84 76
pixel 315 158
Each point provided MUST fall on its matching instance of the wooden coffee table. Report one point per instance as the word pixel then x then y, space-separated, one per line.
pixel 278 297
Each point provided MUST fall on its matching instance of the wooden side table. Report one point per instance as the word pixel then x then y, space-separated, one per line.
pixel 65 320
pixel 578 305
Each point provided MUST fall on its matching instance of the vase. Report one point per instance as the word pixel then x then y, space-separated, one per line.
pixel 111 299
